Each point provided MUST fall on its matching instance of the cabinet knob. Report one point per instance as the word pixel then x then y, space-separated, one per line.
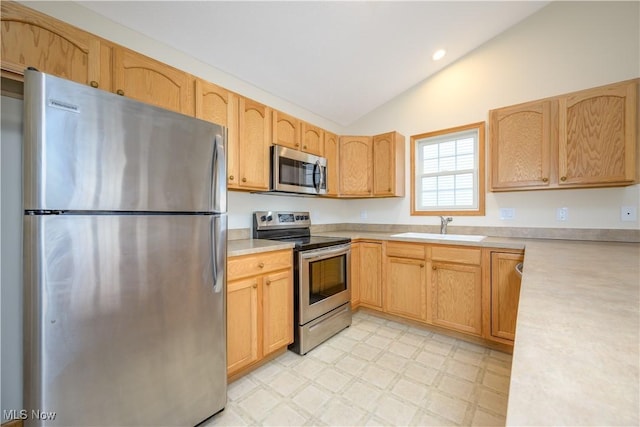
pixel 268 282
pixel 231 177
pixel 255 285
pixel 434 267
pixel 421 265
pixel 545 179
pixel 93 83
pixel 304 146
pixel 244 179
pixel 120 92
pixel 563 178
pixel 261 265
pixel 296 144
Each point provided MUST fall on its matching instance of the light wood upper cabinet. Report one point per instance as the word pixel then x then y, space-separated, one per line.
pixel 139 77
pixel 218 105
pixel 521 146
pixel 370 274
pixel 31 39
pixel 333 167
pixel 286 130
pixel 505 294
pixel 582 139
pixel 242 323
pixel 248 168
pixel 597 136
pixel 356 165
pixel 388 165
pixel 312 139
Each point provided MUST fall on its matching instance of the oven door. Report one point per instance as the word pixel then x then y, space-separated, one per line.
pixel 324 281
pixel 297 172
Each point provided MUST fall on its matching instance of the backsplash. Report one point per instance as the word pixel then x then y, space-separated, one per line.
pixel 595 234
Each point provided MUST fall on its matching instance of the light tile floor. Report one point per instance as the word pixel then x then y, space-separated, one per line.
pixel 377 372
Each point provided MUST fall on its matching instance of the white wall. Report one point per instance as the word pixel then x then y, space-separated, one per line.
pixel 566 46
pixel 11 253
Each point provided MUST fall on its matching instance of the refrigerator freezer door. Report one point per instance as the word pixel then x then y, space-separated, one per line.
pixel 90 150
pixel 124 322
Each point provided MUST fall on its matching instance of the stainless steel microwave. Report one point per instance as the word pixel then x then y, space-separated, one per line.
pixel 293 171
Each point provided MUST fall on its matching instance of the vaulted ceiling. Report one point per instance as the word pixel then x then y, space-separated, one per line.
pixel 339 60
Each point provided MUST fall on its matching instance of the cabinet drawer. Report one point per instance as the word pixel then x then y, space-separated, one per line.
pixel 451 254
pixel 249 265
pixel 405 250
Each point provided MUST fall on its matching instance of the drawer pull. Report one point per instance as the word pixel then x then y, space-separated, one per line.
pixel 545 179
pixel 261 265
pixel 93 83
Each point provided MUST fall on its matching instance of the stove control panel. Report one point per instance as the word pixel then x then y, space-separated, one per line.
pixel 280 219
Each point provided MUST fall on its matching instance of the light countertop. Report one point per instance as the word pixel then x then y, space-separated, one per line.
pixel 254 246
pixel 576 358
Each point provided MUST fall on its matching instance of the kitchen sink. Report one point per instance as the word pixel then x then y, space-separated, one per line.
pixel 435 236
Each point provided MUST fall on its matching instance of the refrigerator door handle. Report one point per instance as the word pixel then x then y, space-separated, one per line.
pixel 218 252
pixel 219 174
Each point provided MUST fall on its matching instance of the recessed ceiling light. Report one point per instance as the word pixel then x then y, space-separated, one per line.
pixel 439 54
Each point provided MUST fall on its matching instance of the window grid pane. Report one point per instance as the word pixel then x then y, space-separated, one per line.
pixel 447 172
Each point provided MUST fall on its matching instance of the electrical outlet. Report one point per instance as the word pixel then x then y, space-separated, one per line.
pixel 628 213
pixel 507 213
pixel 562 214
pixel 363 214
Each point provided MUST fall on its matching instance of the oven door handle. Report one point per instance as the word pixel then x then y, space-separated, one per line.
pixel 325 253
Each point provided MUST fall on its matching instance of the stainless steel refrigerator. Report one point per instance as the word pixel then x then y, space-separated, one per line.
pixel 124 260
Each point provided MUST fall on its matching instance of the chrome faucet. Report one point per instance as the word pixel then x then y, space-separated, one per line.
pixel 443 224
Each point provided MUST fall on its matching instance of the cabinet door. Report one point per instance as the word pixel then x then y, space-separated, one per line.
pixel 521 146
pixel 597 136
pixel 312 139
pixel 457 297
pixel 254 140
pixel 370 279
pixel 144 79
pixel 220 106
pixel 505 294
pixel 333 167
pixel 388 165
pixel 286 130
pixel 356 164
pixel 242 323
pixel 277 300
pixel 31 39
pixel 405 288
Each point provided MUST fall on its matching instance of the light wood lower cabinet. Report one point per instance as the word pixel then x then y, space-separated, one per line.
pixel 505 294
pixel 457 296
pixel 405 290
pixel 366 274
pixel 259 307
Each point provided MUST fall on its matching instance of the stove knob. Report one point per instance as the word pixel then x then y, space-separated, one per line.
pixel 306 217
pixel 269 218
pixel 263 218
pixel 298 217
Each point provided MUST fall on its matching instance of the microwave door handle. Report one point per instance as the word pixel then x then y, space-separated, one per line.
pixel 323 177
pixel 317 168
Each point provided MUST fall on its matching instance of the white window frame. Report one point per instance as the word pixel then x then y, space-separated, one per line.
pixel 477 130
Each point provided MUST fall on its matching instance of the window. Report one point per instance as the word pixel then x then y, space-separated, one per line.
pixel 448 171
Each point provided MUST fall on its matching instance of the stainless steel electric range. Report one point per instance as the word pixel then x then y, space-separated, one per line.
pixel 322 293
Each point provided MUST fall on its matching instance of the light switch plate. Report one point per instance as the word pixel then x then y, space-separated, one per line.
pixel 507 213
pixel 628 213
